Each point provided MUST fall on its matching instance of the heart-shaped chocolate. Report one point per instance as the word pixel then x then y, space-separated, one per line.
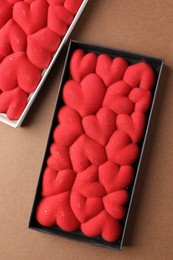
pixel 85 97
pixel 140 75
pixel 141 98
pixel 133 125
pixel 110 70
pixel 121 150
pixel 101 126
pixel 82 64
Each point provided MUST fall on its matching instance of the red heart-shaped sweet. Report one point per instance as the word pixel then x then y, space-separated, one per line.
pixel 17 70
pixel 140 75
pixel 72 5
pixel 103 224
pixel 101 126
pixel 114 203
pixel 110 70
pixel 113 177
pixel 39 51
pixel 31 17
pixel 59 19
pixel 85 97
pixel 56 210
pixel 133 125
pixel 120 149
pixel 82 64
pixel 56 182
pixel 5 12
pixel 70 127
pixel 85 208
pixel 117 100
pixel 141 98
pixel 59 158
pixel 84 151
pixel 13 103
pixel 86 197
pixel 12 39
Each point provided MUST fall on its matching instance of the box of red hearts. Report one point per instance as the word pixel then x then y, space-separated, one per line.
pixel 95 145
pixel 32 34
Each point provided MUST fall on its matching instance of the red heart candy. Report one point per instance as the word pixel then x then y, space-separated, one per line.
pixel 31 17
pixel 100 127
pixel 87 183
pixel 113 177
pixel 13 103
pixel 72 5
pixel 120 149
pixel 82 64
pixel 5 12
pixel 141 98
pixel 17 70
pixel 85 97
pixel 117 100
pixel 40 51
pixel 59 158
pixel 140 75
pixel 15 1
pixel 54 182
pixel 56 210
pixel 84 152
pixel 86 197
pixel 103 224
pixel 114 203
pixel 110 70
pixel 133 125
pixel 59 19
pixel 12 38
pixel 70 127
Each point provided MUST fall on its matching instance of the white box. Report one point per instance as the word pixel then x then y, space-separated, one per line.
pixel 32 96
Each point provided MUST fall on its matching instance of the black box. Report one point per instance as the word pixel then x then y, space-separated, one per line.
pixel 131 58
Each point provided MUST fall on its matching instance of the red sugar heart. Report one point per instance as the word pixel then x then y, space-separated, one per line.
pixel 82 64
pixel 133 125
pixel 114 178
pixel 140 75
pixel 103 224
pixel 141 98
pixel 110 70
pixel 59 158
pixel 5 12
pixel 54 182
pixel 114 203
pixel 13 103
pixel 87 183
pixel 56 210
pixel 31 17
pixel 100 127
pixel 117 100
pixel 85 208
pixel 17 70
pixel 72 5
pixel 85 97
pixel 40 51
pixel 70 127
pixel 84 152
pixel 120 149
pixel 59 19
pixel 12 38
pixel 86 197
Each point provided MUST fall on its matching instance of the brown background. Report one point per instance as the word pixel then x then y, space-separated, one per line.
pixel 136 25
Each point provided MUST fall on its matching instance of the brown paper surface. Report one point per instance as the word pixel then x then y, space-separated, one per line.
pixel 140 26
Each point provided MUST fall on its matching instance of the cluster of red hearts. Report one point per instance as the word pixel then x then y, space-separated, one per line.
pixel 96 143
pixel 30 33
